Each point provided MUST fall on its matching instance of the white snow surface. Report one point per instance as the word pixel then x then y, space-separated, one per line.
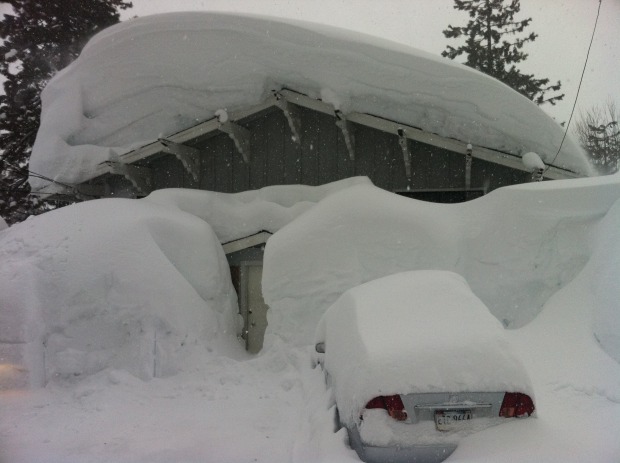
pixel 237 215
pixel 414 332
pixel 515 247
pixel 113 284
pixel 532 161
pixel 101 280
pixel 379 429
pixel 153 76
pixel 606 283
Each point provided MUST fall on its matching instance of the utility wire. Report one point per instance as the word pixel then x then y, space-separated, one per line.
pixel 13 190
pixel 29 173
pixel 579 87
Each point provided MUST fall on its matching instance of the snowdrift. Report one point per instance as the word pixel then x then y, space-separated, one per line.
pixel 237 215
pixel 112 284
pixel 515 247
pixel 604 284
pixel 134 284
pixel 137 285
pixel 153 76
pixel 126 289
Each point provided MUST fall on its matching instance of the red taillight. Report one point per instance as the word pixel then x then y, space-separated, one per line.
pixel 392 404
pixel 516 404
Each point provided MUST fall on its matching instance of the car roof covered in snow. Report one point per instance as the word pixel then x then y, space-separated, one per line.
pixel 153 76
pixel 418 331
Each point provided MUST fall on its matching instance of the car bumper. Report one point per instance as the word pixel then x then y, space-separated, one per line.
pixel 420 453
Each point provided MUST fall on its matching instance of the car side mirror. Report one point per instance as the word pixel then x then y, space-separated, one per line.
pixel 320 347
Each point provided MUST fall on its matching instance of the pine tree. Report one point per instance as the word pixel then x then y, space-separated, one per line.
pixel 39 38
pixel 493 44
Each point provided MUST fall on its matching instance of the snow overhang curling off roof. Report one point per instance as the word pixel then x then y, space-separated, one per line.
pixel 150 77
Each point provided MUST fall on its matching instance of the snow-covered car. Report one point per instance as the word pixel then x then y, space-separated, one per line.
pixel 417 362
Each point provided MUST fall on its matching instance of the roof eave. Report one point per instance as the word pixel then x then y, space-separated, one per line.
pixel 213 125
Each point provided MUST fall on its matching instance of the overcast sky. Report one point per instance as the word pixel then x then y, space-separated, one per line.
pixel 564 28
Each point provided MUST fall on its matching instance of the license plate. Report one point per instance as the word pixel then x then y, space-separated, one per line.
pixel 446 420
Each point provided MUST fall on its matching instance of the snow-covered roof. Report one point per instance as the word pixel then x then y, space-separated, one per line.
pixel 153 76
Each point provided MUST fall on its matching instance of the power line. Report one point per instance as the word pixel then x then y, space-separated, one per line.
pixel 29 173
pixel 579 87
pixel 21 190
pixel 26 173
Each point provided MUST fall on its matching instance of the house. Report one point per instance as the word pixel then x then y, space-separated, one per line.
pixel 230 103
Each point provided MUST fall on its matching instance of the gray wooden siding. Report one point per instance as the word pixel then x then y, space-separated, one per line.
pixel 322 157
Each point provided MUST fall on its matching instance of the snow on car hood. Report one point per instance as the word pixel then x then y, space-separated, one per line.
pixel 414 332
pixel 150 77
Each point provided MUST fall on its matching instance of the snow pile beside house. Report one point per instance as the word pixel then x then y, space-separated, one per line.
pixel 153 76
pixel 515 247
pixel 141 289
pixel 112 284
pixel 138 285
pixel 605 284
pixel 576 382
pixel 237 215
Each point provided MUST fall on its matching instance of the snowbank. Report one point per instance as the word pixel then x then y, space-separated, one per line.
pixel 132 284
pixel 604 279
pixel 237 215
pixel 152 76
pixel 414 332
pixel 112 283
pixel 576 382
pixel 516 247
pixel 96 273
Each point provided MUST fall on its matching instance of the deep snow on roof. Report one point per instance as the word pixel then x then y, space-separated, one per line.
pixel 153 76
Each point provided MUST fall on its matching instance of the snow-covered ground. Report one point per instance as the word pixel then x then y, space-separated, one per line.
pixel 124 311
pixel 153 76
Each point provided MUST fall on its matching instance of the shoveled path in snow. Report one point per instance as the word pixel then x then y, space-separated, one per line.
pixel 270 408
